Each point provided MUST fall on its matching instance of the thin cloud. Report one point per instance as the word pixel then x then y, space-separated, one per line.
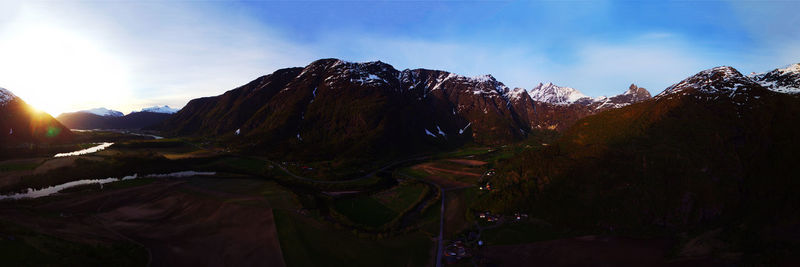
pixel 175 51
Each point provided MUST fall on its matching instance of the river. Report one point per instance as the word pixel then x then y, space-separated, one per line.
pixel 36 193
pixel 85 151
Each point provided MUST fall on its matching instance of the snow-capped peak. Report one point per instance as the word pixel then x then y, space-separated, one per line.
pixel 723 79
pixel 783 80
pixel 6 96
pixel 103 112
pixel 554 94
pixel 793 68
pixel 161 109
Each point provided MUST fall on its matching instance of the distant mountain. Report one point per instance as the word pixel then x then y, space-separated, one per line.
pixel 104 112
pixel 783 80
pixel 90 120
pixel 161 109
pixel 558 95
pixel 557 108
pixel 634 94
pixel 21 123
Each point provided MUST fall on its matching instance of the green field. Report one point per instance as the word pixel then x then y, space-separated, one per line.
pixel 306 242
pixel 240 165
pixel 7 167
pixel 413 173
pixel 463 152
pixel 401 197
pixel 23 247
pixel 365 210
pixel 519 233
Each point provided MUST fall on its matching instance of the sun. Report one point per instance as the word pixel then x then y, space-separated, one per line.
pixel 58 70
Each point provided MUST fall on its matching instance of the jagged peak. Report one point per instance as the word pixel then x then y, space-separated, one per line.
pixel 639 92
pixel 333 62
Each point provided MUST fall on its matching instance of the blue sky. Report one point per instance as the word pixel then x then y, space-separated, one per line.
pixel 167 52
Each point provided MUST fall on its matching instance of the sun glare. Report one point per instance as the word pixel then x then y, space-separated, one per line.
pixel 57 70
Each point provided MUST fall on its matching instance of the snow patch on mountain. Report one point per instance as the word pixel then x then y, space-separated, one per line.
pixel 440 131
pixel 161 109
pixel 104 112
pixel 6 96
pixel 462 130
pixel 606 103
pixel 429 133
pixel 516 93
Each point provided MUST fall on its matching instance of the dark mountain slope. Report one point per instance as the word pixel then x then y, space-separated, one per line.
pixel 21 124
pixel 333 106
pixel 713 151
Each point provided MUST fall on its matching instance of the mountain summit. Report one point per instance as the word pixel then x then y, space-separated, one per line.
pixel 104 112
pixel 554 94
pixel 719 80
pixel 160 109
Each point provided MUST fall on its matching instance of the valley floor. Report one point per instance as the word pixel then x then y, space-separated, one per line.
pixel 258 212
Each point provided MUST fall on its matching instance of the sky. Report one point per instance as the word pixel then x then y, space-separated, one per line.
pixel 63 56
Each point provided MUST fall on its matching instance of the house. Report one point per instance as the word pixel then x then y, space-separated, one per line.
pixel 489 217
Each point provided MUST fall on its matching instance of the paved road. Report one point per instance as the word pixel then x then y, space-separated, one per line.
pixel 440 243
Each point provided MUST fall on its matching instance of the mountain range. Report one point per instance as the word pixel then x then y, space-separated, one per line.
pixel 334 107
pixel 337 107
pixel 102 118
